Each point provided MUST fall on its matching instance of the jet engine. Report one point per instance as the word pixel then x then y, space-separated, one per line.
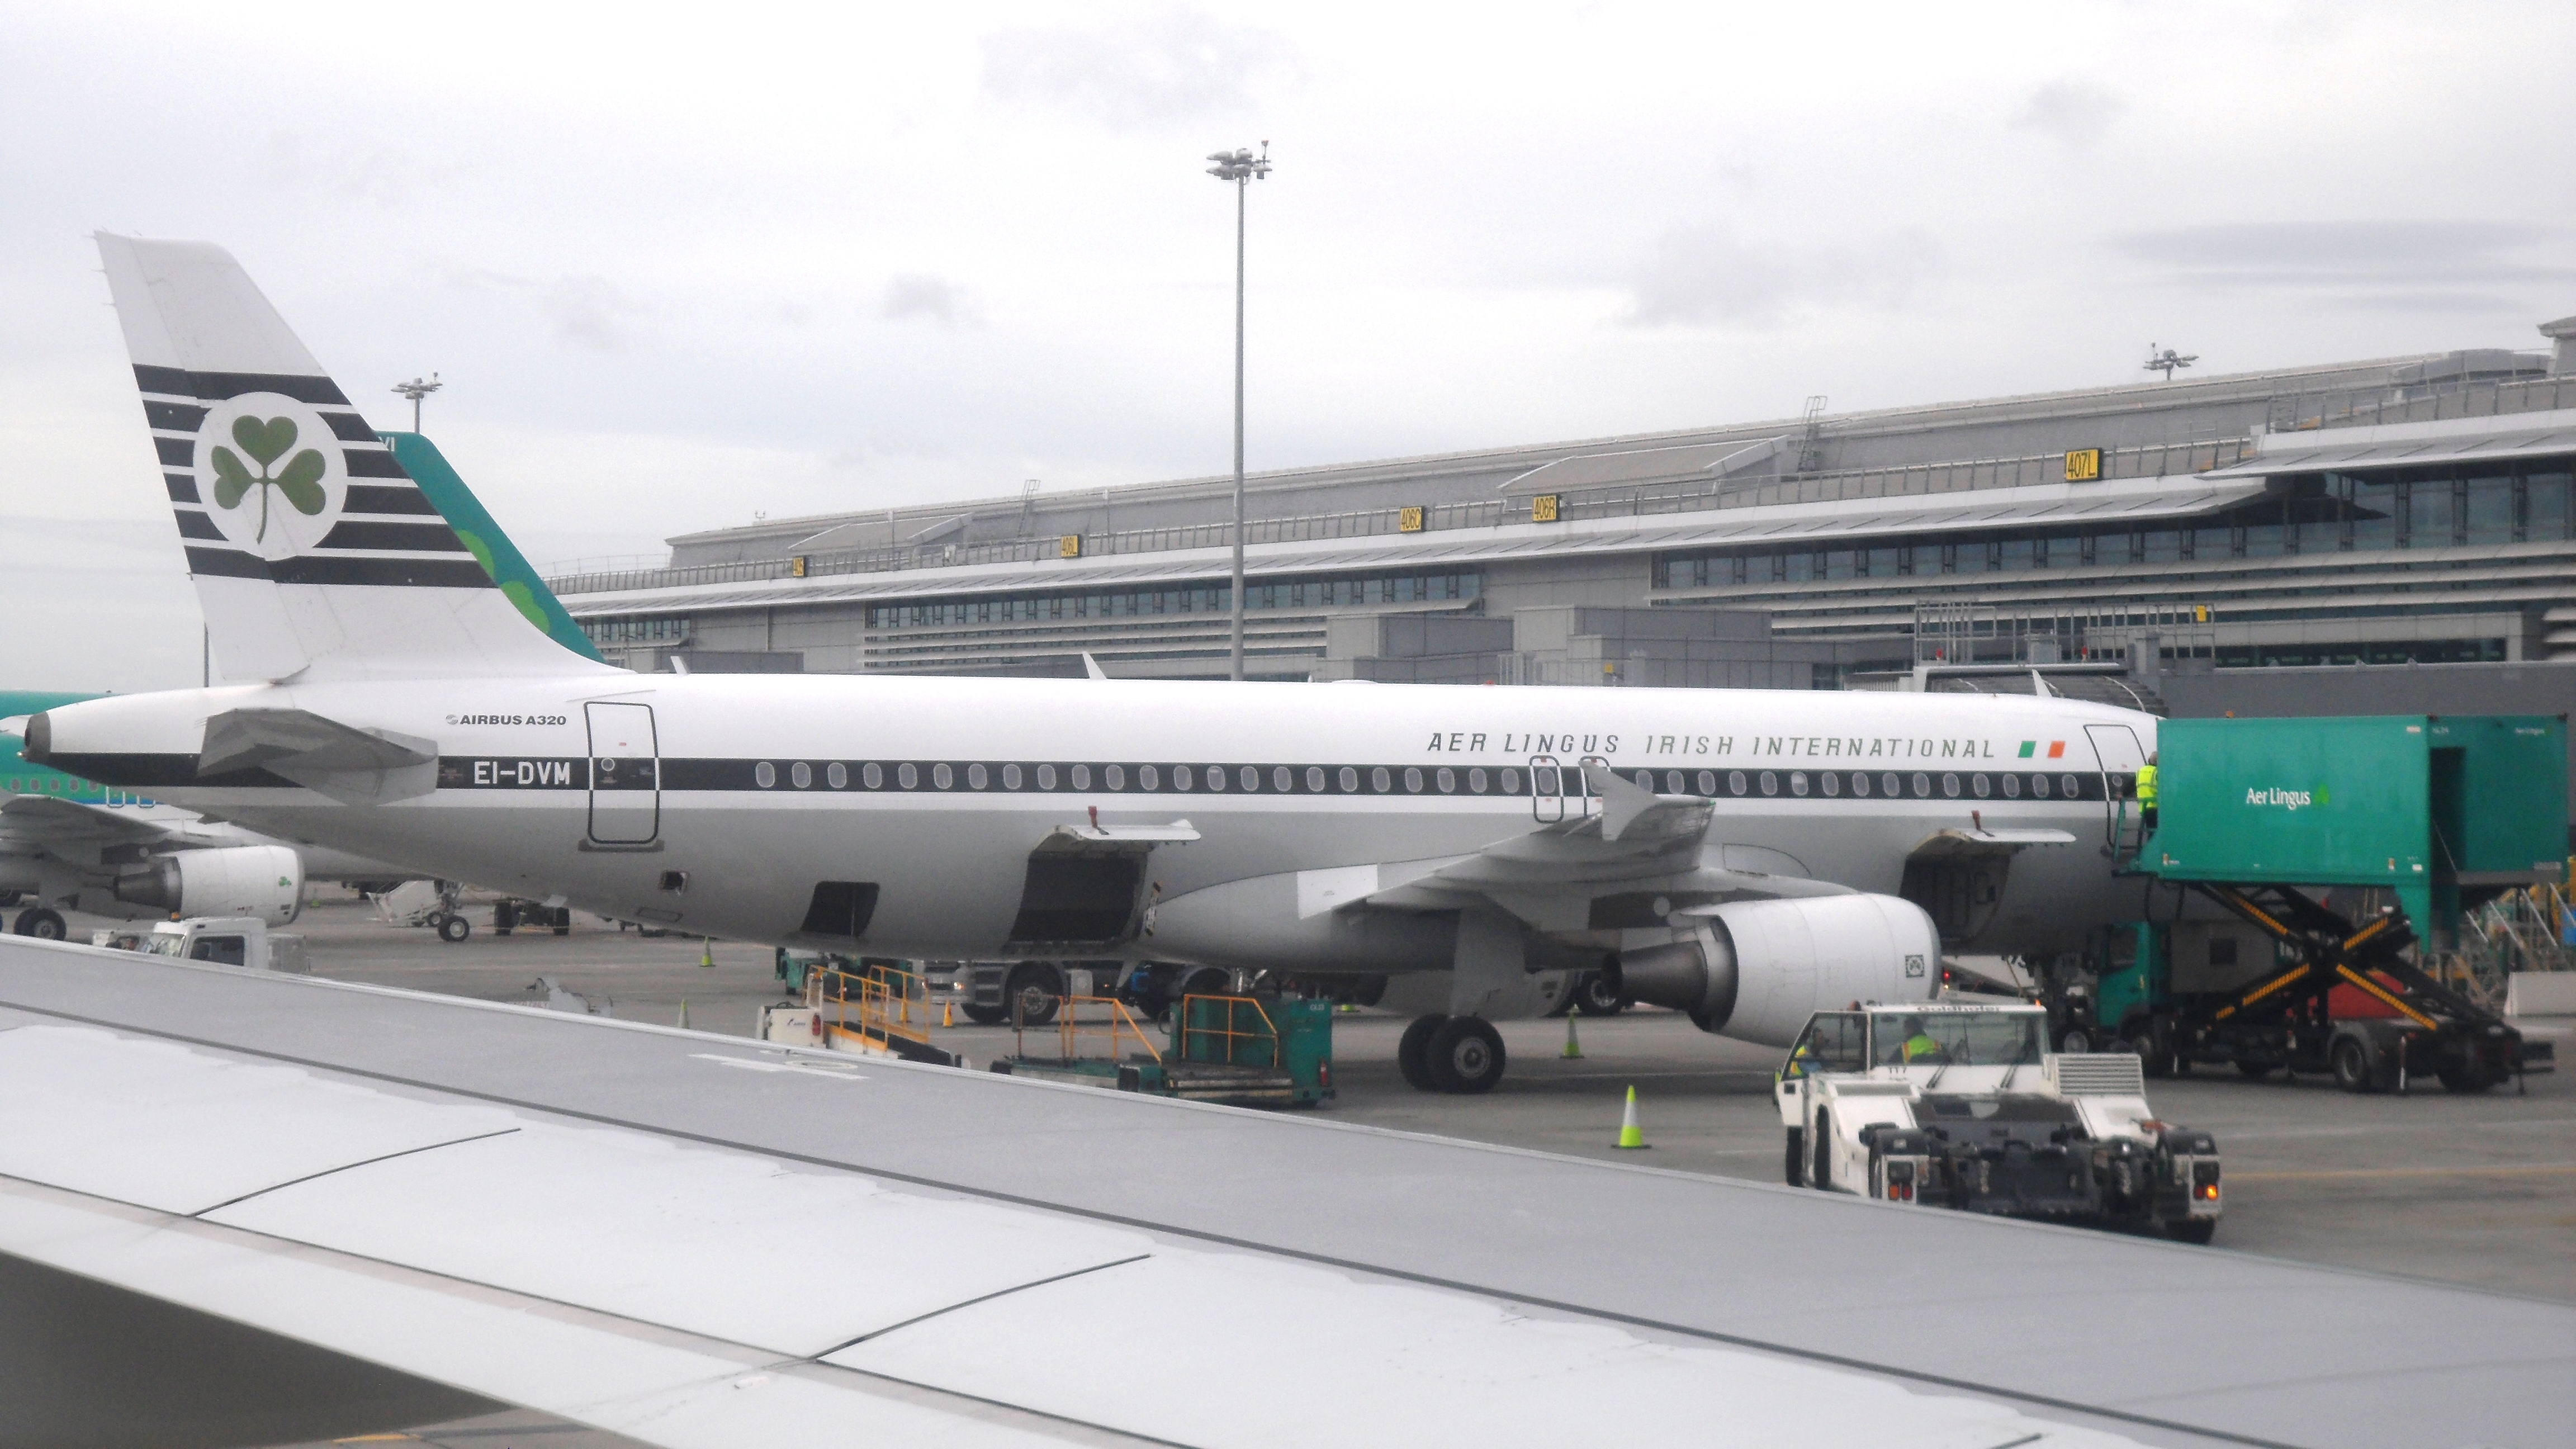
pixel 266 881
pixel 1756 970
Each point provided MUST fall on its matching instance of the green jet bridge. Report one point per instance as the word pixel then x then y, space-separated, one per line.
pixel 2295 825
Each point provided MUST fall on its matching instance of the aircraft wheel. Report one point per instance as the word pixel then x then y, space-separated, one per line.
pixel 453 929
pixel 1794 1170
pixel 1595 998
pixel 41 923
pixel 986 1015
pixel 1465 1055
pixel 1411 1052
pixel 1034 986
pixel 2351 1065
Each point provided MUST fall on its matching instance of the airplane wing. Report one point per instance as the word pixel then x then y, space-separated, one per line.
pixel 1549 876
pixel 695 1240
pixel 49 822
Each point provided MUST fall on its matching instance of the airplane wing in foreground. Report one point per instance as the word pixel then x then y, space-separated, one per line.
pixel 695 1240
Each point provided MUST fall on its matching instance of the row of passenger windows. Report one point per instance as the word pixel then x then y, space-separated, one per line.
pixel 1411 780
pixel 2328 514
pixel 1212 599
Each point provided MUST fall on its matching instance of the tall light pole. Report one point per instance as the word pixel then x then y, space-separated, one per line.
pixel 416 390
pixel 1242 168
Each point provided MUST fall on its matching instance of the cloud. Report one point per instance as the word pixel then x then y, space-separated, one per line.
pixel 921 298
pixel 589 312
pixel 2076 112
pixel 1176 66
pixel 1701 275
pixel 2397 265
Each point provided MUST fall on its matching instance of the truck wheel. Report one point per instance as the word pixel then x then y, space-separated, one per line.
pixel 986 1015
pixel 1821 1171
pixel 1595 998
pixel 43 924
pixel 2351 1061
pixel 1034 987
pixel 1464 1055
pixel 1795 1167
pixel 2191 1230
pixel 1412 1052
pixel 2468 1077
pixel 453 929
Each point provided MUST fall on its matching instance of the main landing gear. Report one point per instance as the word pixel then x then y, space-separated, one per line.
pixel 1451 1054
pixel 40 923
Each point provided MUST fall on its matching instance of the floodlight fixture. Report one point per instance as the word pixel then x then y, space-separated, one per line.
pixel 2168 361
pixel 416 390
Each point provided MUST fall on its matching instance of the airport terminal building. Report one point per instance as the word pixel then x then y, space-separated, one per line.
pixel 2414 510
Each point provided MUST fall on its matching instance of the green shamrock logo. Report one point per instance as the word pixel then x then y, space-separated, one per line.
pixel 266 442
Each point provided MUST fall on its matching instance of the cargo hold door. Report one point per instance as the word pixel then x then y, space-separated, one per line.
pixel 625 774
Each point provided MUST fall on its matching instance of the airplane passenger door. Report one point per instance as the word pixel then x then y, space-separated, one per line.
pixel 2117 748
pixel 625 774
pixel 1547 789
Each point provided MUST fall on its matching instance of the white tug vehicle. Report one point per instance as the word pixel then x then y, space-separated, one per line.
pixel 1958 1106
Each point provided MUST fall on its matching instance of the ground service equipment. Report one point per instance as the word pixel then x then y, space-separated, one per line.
pixel 2337 844
pixel 1959 1106
pixel 1245 1050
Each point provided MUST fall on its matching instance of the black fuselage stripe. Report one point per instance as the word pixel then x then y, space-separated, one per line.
pixel 177 417
pixel 373 463
pixel 700 775
pixel 193 523
pixel 384 498
pixel 182 486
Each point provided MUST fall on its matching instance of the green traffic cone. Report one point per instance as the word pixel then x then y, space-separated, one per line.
pixel 684 1026
pixel 1573 1049
pixel 1630 1134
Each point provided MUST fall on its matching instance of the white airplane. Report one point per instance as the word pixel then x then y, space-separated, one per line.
pixel 1745 856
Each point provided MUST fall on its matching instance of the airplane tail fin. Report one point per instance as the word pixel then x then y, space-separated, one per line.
pixel 482 536
pixel 316 552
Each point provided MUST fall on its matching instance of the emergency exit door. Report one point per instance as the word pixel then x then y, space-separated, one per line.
pixel 625 774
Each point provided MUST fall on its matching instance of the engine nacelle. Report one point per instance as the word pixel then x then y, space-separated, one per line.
pixel 1756 970
pixel 266 881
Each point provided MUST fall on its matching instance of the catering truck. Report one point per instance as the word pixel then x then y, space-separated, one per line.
pixel 1943 1104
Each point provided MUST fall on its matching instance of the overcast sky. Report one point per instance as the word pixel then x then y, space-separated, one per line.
pixel 681 266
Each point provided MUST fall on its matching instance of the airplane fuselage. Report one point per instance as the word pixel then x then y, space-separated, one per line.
pixel 738 792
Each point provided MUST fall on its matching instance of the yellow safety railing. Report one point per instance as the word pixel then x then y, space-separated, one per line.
pixel 873 1005
pixel 1108 1014
pixel 1233 1030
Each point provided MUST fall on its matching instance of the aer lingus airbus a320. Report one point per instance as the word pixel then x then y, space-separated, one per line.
pixel 1744 856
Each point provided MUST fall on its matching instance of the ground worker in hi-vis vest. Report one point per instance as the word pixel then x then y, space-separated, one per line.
pixel 2147 793
pixel 1919 1045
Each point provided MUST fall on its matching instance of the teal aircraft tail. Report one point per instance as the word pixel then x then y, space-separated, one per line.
pixel 484 539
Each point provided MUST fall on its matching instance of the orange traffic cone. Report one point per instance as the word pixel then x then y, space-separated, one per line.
pixel 948 1013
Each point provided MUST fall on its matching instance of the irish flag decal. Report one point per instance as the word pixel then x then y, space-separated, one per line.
pixel 2056 749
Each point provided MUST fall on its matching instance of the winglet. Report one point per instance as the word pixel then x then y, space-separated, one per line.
pixel 1622 801
pixel 1091 666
